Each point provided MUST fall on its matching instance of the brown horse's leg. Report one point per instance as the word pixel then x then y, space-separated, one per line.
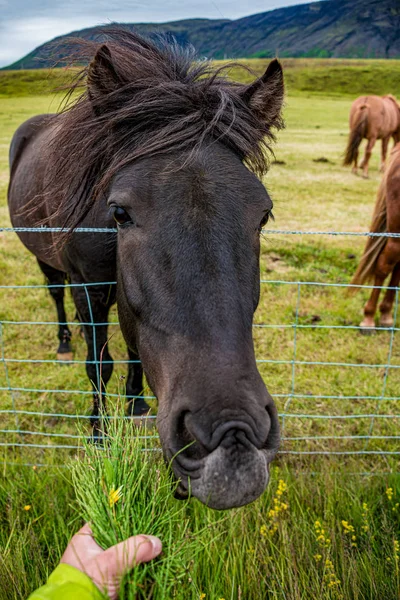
pixel 385 265
pixel 368 323
pixel 387 303
pixel 367 156
pixel 354 170
pixel 385 143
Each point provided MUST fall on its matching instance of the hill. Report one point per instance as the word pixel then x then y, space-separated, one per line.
pixel 330 28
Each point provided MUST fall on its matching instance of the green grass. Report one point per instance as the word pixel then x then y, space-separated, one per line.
pixel 236 561
pixel 333 77
pixel 274 548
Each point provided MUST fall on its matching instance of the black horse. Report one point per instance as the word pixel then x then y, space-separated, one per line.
pixel 170 150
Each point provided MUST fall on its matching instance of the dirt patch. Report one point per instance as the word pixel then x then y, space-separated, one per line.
pixel 275 264
pixel 323 159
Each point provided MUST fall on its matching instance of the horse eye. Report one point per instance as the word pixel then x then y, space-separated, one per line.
pixel 267 216
pixel 120 215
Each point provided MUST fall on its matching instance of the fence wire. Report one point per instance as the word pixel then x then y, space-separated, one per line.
pixel 301 429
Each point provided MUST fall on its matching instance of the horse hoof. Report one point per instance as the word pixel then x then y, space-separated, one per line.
pixel 64 356
pixel 386 324
pixel 365 176
pixel 367 330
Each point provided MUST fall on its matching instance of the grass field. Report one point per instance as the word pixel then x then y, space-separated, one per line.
pixel 240 558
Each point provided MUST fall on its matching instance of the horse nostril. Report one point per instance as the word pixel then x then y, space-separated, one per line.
pixel 182 431
pixel 186 442
pixel 273 437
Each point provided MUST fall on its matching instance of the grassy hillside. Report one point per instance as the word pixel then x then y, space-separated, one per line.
pixel 312 76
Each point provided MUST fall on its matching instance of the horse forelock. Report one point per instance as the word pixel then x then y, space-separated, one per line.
pixel 156 99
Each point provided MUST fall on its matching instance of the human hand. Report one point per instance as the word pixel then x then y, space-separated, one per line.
pixel 107 567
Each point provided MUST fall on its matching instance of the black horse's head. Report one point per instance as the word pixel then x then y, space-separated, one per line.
pixel 184 144
pixel 188 284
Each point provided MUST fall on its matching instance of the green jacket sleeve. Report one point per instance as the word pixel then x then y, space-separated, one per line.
pixel 67 583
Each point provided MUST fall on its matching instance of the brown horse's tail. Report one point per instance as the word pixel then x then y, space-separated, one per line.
pixel 374 246
pixel 357 133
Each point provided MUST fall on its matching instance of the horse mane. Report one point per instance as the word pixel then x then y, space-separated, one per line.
pixel 157 99
pixel 366 269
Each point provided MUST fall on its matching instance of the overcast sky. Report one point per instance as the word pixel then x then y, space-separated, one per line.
pixel 25 24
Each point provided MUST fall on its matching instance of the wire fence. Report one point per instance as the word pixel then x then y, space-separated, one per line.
pixel 329 402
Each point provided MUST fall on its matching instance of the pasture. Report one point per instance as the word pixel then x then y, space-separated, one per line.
pixel 332 470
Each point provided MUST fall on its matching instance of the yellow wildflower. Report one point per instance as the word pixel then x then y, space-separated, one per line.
pixel 28 507
pixel 34 467
pixel 347 527
pixel 389 493
pixel 396 548
pixel 114 495
pixel 318 557
pixel 202 596
pixel 274 513
pixel 365 516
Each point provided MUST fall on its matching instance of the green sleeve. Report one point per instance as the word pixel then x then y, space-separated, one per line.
pixel 67 583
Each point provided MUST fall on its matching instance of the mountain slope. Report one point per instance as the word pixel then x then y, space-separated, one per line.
pixel 331 28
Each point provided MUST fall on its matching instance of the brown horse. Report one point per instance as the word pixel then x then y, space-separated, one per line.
pixel 373 118
pixel 382 254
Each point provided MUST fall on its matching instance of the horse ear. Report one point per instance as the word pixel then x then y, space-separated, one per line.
pixel 265 96
pixel 102 78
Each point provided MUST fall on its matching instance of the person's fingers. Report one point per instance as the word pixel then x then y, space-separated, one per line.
pixel 81 548
pixel 127 554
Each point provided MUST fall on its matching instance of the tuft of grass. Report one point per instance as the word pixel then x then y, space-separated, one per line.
pixel 123 489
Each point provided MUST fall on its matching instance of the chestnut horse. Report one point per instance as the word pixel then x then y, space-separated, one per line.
pixel 374 118
pixel 165 152
pixel 382 254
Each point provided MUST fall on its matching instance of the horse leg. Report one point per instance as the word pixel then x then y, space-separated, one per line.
pixel 385 265
pixel 57 278
pixel 367 156
pixel 93 305
pixel 367 325
pixel 134 387
pixel 385 143
pixel 386 305
pixel 355 166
